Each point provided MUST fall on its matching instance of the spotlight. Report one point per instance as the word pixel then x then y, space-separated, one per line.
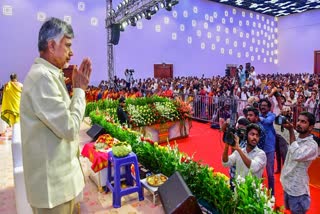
pixel 161 4
pixel 133 22
pixel 168 7
pixel 147 14
pixel 123 26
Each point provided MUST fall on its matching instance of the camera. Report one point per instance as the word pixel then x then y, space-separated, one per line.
pixel 131 71
pixel 277 94
pixel 241 133
pixel 228 136
pixel 280 120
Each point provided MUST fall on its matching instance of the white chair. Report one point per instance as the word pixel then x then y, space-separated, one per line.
pixel 22 204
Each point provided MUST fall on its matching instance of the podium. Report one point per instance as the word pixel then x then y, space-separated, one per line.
pixel 163 70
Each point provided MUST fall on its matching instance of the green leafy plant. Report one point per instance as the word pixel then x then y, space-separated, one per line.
pixel 250 195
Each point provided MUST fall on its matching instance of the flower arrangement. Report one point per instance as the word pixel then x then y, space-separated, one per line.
pixel 143 111
pixel 251 196
pixel 185 109
pixel 167 111
pixel 141 115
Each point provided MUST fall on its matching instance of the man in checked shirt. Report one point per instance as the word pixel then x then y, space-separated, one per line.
pixel 301 152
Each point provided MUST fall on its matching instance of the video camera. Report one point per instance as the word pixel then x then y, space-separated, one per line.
pixel 280 120
pixel 228 136
pixel 131 71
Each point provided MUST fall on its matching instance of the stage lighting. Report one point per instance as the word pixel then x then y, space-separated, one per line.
pixel 147 14
pixel 133 21
pixel 168 7
pixel 174 2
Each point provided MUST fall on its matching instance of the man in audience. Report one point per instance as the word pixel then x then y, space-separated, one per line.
pixel 50 123
pixel 241 75
pixel 253 116
pixel 248 159
pixel 241 133
pixel 267 118
pixel 122 115
pixel 301 152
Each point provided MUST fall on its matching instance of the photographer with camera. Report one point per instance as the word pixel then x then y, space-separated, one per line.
pixel 282 135
pixel 248 159
pixel 240 131
pixel 267 118
pixel 301 152
pixel 129 77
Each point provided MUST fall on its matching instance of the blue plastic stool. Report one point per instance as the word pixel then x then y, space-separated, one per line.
pixel 116 190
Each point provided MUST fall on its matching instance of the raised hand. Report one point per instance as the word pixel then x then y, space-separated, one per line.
pixel 81 76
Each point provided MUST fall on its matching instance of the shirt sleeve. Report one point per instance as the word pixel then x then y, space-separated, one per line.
pixel 53 107
pixel 305 152
pixel 258 162
pixel 269 119
pixel 231 159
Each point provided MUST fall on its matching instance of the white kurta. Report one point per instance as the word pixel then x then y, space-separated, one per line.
pixel 50 124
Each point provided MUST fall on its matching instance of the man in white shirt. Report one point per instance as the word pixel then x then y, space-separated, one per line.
pixel 50 123
pixel 301 152
pixel 250 158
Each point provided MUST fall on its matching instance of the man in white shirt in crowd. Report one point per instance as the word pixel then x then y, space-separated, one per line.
pixel 50 123
pixel 301 152
pixel 250 158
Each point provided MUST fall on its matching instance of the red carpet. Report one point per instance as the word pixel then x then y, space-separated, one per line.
pixel 206 145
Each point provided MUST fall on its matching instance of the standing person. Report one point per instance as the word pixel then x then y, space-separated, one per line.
pixel 122 115
pixel 50 123
pixel 253 116
pixel 301 151
pixel 240 132
pixel 267 118
pixel 241 75
pixel 250 158
pixel 10 109
pixel 129 78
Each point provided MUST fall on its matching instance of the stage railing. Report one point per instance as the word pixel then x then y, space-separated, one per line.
pixel 207 108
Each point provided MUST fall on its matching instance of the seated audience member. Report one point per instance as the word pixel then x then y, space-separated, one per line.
pixel 248 159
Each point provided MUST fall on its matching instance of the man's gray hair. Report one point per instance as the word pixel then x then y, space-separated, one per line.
pixel 54 29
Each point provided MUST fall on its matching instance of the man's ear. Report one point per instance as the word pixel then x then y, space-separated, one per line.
pixel 51 45
pixel 311 128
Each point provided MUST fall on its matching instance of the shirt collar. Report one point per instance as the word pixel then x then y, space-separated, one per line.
pixel 310 137
pixel 53 69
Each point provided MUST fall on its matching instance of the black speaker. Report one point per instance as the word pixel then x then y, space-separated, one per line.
pixel 115 34
pixel 176 197
pixel 95 131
